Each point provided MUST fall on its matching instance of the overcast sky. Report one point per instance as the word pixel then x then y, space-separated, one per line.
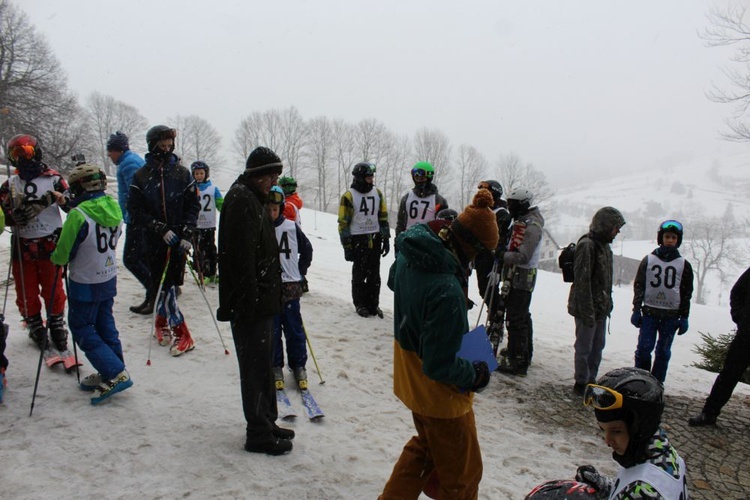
pixel 578 88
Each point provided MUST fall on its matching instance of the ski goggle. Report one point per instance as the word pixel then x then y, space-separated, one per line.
pixel 671 225
pixel 419 172
pixel 602 398
pixel 275 197
pixel 22 151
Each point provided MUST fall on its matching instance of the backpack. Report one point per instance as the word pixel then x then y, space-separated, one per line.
pixel 566 261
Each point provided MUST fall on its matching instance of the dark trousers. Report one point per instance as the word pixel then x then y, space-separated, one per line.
pixel 253 341
pixel 520 327
pixel 134 255
pixel 650 327
pixel 205 252
pixel 366 271
pixel 735 364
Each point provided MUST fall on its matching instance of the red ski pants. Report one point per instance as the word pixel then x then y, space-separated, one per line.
pixel 38 274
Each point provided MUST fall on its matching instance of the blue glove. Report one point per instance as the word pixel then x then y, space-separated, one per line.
pixel 386 246
pixel 683 326
pixel 636 318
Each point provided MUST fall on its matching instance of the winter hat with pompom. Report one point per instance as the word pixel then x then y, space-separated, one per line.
pixel 476 226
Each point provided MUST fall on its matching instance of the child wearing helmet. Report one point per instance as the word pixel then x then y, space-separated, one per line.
pixel 292 200
pixel 295 256
pixel 88 245
pixel 204 257
pixel 628 404
pixel 31 200
pixel 422 202
pixel 662 289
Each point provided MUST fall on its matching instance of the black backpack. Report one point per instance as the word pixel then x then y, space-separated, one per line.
pixel 566 261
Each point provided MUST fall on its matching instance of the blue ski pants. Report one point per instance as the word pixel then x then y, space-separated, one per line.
pixel 290 323
pixel 665 328
pixel 93 327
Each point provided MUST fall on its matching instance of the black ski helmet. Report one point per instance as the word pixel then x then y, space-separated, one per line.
pixel 670 226
pixel 565 489
pixel 157 133
pixel 446 214
pixel 362 170
pixel 200 165
pixel 642 407
pixel 495 188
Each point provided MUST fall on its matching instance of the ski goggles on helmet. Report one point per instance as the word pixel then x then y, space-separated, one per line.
pixel 419 172
pixel 21 151
pixel 275 197
pixel 602 398
pixel 671 225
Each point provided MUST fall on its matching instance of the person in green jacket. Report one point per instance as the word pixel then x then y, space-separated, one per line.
pixel 430 319
pixel 88 245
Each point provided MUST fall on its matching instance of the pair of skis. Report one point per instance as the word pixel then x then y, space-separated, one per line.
pixel 54 357
pixel 287 411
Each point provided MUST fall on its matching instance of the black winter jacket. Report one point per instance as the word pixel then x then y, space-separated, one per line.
pixel 250 285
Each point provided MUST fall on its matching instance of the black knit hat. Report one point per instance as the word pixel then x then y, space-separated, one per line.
pixel 118 142
pixel 262 161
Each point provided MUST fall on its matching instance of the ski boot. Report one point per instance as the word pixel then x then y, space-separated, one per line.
pixel 37 331
pixel 278 377
pixel 162 332
pixel 183 342
pixel 300 375
pixel 109 388
pixel 91 382
pixel 58 333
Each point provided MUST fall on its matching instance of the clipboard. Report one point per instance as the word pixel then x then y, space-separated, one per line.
pixel 476 346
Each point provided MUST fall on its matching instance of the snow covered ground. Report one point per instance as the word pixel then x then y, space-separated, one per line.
pixel 179 431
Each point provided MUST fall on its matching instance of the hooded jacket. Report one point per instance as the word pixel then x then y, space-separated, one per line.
pixel 429 324
pixel 105 212
pixel 127 165
pixel 250 285
pixel 590 297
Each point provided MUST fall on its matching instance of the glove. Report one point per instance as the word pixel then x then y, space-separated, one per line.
pixel 386 246
pixel 482 376
pixel 349 254
pixel 170 238
pixel 636 318
pixel 589 475
pixel 23 214
pixel 683 326
pixel 185 245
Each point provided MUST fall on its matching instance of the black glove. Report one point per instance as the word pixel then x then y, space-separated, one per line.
pixel 683 326
pixel 386 246
pixel 589 475
pixel 23 214
pixel 349 254
pixel 636 319
pixel 481 377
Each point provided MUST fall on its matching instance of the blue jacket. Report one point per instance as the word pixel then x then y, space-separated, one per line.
pixel 128 163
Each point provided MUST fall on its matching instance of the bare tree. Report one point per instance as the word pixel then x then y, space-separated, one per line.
pixel 397 177
pixel 197 140
pixel 470 167
pixel 34 96
pixel 728 27
pixel 343 152
pixel 106 115
pixel 373 142
pixel 511 173
pixel 321 150
pixel 712 248
pixel 294 133
pixel 258 129
pixel 433 146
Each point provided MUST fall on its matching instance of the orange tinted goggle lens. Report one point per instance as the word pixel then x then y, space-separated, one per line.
pixel 25 151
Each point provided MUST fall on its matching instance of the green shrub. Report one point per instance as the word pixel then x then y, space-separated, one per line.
pixel 713 351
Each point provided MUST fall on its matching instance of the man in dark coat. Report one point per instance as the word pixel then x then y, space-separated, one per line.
pixel 250 296
pixel 738 355
pixel 590 298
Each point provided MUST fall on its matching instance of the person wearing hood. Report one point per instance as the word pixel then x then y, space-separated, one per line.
pixel 163 202
pixel 88 245
pixel 428 280
pixel 31 200
pixel 663 287
pixel 422 203
pixel 590 297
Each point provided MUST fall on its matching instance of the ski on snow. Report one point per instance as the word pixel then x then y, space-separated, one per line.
pixel 311 406
pixel 53 357
pixel 286 410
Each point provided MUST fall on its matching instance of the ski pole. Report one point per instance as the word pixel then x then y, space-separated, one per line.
pixel 312 353
pixel 72 337
pixel 46 337
pixel 210 311
pixel 159 300
pixel 5 299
